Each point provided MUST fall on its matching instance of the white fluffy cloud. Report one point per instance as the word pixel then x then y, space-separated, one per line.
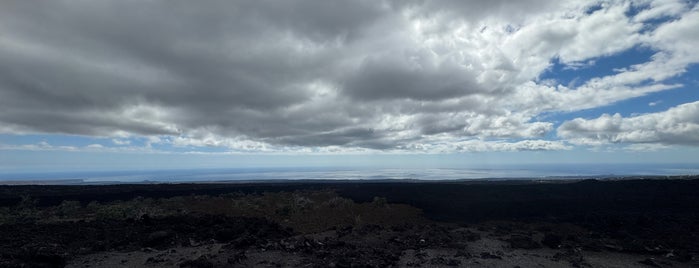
pixel 446 146
pixel 678 125
pixel 351 76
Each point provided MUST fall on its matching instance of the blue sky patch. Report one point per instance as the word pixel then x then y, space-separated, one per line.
pixel 574 76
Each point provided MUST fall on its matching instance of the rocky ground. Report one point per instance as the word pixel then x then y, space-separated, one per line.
pixel 321 228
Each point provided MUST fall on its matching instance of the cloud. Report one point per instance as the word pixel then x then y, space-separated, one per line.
pixel 41 146
pixel 349 75
pixel 677 126
pixel 499 146
pixel 659 9
pixel 646 147
pixel 95 146
pixel 121 141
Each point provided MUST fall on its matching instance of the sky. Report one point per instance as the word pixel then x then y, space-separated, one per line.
pixel 126 84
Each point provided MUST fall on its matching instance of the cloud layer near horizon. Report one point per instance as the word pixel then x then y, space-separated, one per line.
pixel 340 76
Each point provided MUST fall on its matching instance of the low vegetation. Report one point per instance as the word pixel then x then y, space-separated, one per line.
pixel 303 211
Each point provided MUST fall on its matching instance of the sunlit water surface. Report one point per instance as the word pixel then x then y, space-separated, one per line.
pixel 339 173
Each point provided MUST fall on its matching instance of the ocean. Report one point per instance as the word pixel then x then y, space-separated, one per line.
pixel 568 171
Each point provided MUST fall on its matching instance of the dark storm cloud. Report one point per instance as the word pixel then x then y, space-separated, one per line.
pixel 343 137
pixel 476 10
pixel 396 79
pixel 320 20
pixel 230 66
pixel 203 59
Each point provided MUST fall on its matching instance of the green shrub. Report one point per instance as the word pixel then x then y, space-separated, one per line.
pixel 68 208
pixel 338 202
pixel 379 202
pixel 27 202
pixel 6 215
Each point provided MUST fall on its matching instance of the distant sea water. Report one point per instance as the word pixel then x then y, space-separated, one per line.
pixel 339 173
